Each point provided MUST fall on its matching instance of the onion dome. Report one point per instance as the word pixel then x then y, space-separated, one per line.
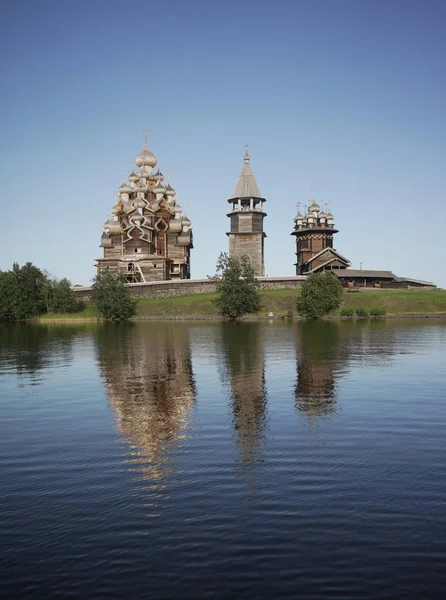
pixel 298 217
pixel 159 188
pixel 330 216
pixel 158 176
pixel 314 207
pixel 133 177
pixel 146 158
pixel 125 188
pixel 186 222
pixel 169 190
pixel 178 209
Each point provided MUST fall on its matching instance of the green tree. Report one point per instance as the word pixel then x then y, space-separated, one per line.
pixel 237 286
pixel 22 293
pixel 111 296
pixel 321 294
pixel 61 298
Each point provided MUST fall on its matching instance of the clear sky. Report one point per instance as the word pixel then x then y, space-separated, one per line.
pixel 344 96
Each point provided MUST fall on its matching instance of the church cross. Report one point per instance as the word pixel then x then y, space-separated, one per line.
pixel 145 135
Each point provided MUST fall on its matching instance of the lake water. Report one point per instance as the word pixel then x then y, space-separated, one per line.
pixel 218 460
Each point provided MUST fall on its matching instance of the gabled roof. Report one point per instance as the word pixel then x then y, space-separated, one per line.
pixel 246 186
pixel 319 267
pixel 329 251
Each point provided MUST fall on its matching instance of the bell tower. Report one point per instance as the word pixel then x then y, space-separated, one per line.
pixel 246 235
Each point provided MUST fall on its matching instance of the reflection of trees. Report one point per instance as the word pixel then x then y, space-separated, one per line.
pixel 151 389
pixel 244 363
pixel 30 348
pixel 318 359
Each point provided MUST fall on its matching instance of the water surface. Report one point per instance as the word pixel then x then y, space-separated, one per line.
pixel 251 460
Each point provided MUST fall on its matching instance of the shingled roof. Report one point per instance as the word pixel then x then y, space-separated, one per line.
pixel 360 273
pixel 246 186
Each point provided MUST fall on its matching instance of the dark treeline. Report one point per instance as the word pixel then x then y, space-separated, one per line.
pixel 27 292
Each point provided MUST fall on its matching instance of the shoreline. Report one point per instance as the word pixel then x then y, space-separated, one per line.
pixel 43 320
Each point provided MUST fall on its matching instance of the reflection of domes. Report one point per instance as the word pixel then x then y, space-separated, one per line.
pixel 146 158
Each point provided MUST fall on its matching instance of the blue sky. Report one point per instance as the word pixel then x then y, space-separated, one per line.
pixel 344 96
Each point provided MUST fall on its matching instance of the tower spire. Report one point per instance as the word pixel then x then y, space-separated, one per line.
pixel 246 186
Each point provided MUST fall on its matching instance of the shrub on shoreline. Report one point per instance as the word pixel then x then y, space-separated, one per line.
pixel 321 295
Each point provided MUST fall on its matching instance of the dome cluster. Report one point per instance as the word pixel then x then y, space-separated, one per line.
pixel 313 217
pixel 141 197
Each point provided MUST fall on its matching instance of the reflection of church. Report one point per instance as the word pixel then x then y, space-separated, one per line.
pixel 318 360
pixel 151 389
pixel 244 362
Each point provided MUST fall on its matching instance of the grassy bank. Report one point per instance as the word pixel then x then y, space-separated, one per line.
pixel 279 302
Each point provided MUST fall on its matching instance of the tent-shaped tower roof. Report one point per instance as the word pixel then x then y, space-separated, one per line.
pixel 246 186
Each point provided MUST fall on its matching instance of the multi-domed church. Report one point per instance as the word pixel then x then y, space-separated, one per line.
pixel 147 237
pixel 314 232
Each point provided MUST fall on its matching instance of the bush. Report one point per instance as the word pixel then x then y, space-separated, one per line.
pixel 22 293
pixel 321 294
pixel 290 314
pixel 347 312
pixel 237 286
pixel 61 298
pixel 362 312
pixel 377 312
pixel 111 296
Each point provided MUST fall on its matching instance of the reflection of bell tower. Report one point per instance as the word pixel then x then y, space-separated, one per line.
pixel 317 362
pixel 151 389
pixel 246 236
pixel 245 369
